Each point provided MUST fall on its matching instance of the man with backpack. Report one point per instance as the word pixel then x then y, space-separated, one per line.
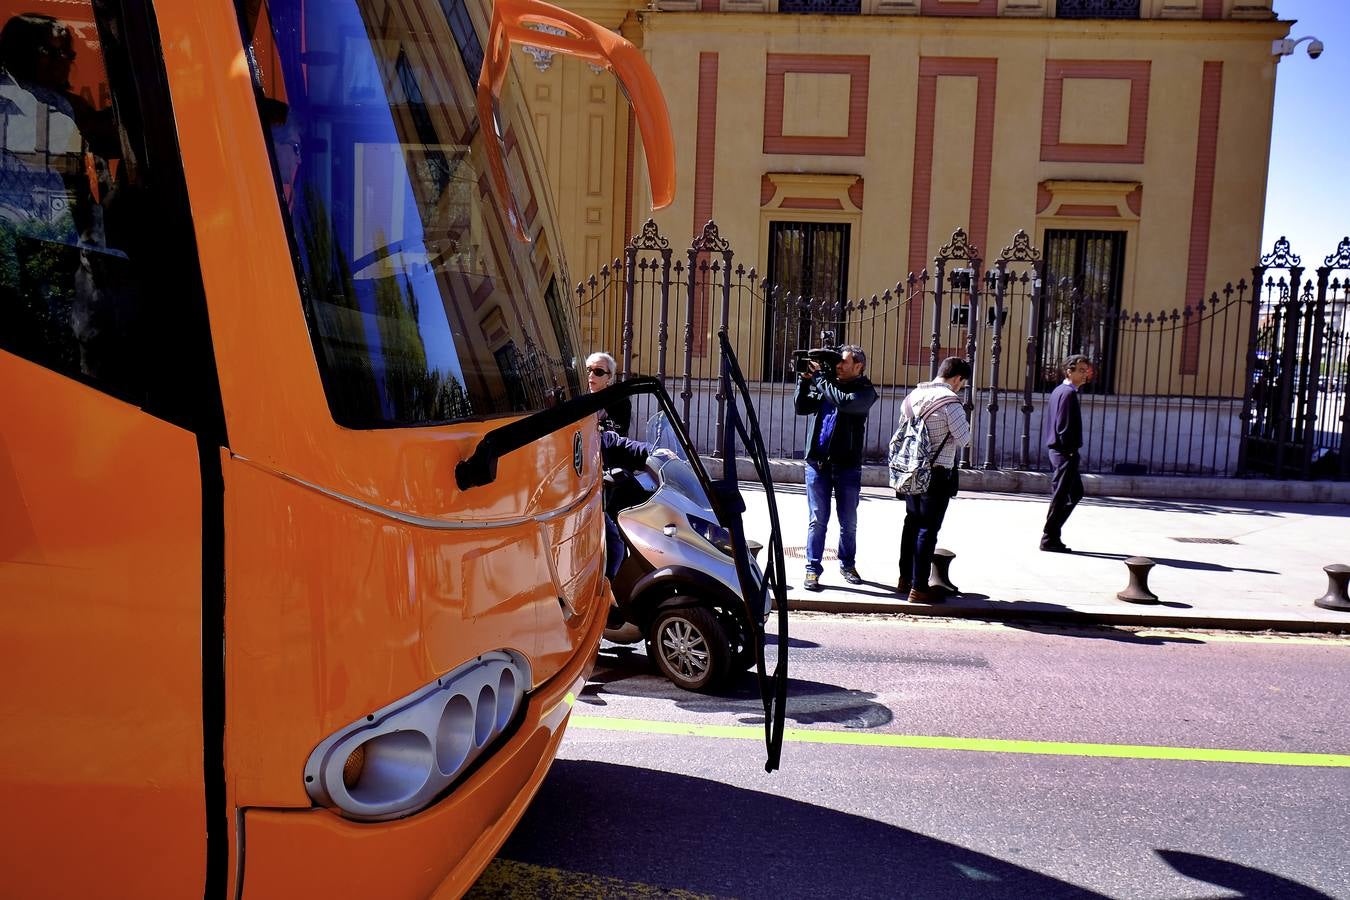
pixel 933 431
pixel 836 404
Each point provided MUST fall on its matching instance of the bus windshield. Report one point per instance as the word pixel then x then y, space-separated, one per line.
pixel 422 306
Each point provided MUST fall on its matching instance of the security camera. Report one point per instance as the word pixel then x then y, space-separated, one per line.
pixel 1286 46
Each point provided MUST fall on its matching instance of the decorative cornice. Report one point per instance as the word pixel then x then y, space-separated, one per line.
pixel 797 190
pixel 1090 199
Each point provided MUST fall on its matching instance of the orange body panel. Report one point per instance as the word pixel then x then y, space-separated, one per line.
pixel 100 617
pixel 367 608
pixel 436 853
pixel 356 572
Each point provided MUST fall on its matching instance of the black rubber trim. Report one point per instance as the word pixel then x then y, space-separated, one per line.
pixel 188 394
pixel 218 819
pixel 699 582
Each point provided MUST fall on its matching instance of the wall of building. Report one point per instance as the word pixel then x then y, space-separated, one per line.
pixel 907 127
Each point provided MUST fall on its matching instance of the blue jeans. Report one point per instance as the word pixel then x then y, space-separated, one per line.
pixel 822 479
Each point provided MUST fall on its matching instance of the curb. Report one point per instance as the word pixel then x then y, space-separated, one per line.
pixel 1135 618
pixel 1018 481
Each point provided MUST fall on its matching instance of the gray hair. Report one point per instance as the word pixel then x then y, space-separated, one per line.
pixel 857 352
pixel 607 359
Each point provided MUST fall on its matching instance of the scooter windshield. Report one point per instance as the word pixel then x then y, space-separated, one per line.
pixel 662 436
pixel 676 472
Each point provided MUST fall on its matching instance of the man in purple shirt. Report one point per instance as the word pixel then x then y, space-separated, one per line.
pixel 1062 434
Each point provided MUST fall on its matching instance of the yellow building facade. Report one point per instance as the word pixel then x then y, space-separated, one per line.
pixel 912 118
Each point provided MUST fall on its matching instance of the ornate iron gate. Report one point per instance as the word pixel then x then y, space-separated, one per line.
pixel 1297 408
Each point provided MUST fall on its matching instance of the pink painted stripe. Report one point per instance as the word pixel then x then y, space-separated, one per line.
pixel 705 141
pixel 943 8
pixel 705 157
pixel 1089 210
pixel 628 177
pixel 981 174
pixel 1202 209
pixel 1137 72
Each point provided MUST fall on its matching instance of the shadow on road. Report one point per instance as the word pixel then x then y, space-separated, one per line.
pixel 1103 633
pixel 1177 563
pixel 658 832
pixel 626 672
pixel 1246 881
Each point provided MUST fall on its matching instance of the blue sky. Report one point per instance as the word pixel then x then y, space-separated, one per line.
pixel 1308 192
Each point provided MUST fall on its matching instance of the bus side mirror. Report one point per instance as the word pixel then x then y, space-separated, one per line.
pixel 582 38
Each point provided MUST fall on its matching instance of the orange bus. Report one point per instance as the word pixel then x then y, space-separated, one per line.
pixel 268 273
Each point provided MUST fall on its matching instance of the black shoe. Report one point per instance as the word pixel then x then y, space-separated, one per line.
pixel 1055 547
pixel 851 575
pixel 812 581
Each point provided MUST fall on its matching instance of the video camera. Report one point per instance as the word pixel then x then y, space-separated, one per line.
pixel 825 356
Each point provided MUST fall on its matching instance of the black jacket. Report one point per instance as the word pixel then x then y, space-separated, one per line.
pixel 853 399
pixel 618 417
pixel 619 452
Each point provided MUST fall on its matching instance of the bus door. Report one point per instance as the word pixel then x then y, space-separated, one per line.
pixel 109 493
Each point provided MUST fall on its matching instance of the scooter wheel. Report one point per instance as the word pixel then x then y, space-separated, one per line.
pixel 690 648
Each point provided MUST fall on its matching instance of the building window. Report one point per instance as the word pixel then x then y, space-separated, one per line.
pixel 830 7
pixel 1080 302
pixel 808 267
pixel 1097 9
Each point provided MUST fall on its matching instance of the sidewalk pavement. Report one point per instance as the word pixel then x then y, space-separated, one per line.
pixel 1263 573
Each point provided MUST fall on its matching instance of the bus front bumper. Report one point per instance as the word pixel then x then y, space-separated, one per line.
pixel 439 851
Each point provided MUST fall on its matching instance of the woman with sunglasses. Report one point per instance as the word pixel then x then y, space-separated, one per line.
pixel 601 372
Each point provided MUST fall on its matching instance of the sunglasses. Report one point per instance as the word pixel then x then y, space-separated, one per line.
pixel 67 55
pixel 599 372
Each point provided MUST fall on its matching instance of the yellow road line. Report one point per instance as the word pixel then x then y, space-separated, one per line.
pixel 981 745
pixel 1180 635
pixel 508 878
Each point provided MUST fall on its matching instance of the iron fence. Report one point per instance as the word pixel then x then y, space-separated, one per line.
pixel 1180 390
pixel 1297 408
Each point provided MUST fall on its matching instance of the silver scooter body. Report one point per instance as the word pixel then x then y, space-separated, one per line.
pixel 680 558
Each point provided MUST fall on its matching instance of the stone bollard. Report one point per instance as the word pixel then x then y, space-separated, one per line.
pixel 938 577
pixel 1137 590
pixel 1338 575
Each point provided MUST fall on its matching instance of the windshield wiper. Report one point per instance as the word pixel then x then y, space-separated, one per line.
pixel 772 689
pixel 480 467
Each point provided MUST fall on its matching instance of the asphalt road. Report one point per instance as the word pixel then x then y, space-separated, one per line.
pixel 1004 762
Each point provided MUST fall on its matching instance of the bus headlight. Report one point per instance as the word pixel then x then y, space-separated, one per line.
pixel 397 760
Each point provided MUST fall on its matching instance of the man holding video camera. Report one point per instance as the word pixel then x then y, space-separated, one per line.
pixel 835 399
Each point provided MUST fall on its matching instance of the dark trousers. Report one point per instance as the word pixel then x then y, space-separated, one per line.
pixel 1068 490
pixel 614 550
pixel 923 519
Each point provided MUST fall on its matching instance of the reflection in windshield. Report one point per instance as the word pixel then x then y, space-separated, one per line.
pixel 71 203
pixel 421 305
pixel 662 436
